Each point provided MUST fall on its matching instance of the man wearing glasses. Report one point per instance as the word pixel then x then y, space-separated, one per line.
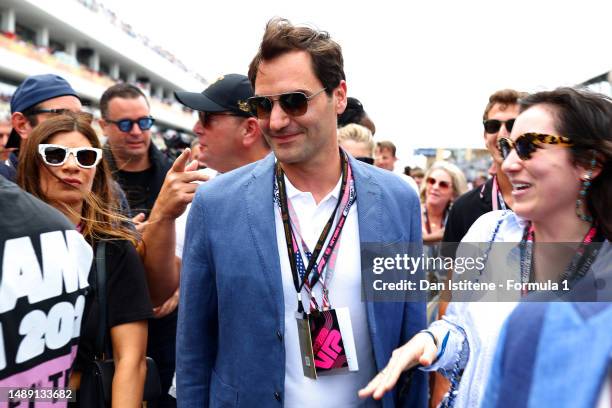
pixel 138 166
pixel 251 306
pixel 227 131
pixel 496 193
pixel 37 98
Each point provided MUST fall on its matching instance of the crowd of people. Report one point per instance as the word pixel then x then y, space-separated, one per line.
pixel 235 276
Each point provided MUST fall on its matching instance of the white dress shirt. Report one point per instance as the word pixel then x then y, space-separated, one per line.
pixel 338 390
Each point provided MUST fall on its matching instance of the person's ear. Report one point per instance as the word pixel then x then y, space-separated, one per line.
pixel 251 133
pixel 21 125
pixel 340 96
pixel 103 124
pixel 589 171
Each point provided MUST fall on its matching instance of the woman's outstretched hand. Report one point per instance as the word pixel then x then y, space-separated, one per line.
pixel 419 350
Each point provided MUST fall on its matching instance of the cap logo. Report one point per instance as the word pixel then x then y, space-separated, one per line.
pixel 244 106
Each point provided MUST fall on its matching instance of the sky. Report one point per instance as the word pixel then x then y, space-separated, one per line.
pixel 422 69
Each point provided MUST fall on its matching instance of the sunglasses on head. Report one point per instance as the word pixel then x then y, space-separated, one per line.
pixel 527 143
pixel 125 125
pixel 204 117
pixel 56 155
pixel 86 115
pixel 493 125
pixel 441 183
pixel 293 103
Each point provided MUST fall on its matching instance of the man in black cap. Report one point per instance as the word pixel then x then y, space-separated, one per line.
pixel 36 99
pixel 229 137
pixel 228 133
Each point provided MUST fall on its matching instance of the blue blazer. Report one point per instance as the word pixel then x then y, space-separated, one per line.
pixel 230 348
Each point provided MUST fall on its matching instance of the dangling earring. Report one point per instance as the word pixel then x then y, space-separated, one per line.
pixel 586 183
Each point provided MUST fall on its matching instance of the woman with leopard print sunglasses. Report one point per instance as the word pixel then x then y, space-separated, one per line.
pixel 559 161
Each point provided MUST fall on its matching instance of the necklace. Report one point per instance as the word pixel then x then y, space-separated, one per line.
pixel 577 268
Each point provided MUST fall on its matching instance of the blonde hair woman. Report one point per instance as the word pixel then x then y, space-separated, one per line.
pixel 442 184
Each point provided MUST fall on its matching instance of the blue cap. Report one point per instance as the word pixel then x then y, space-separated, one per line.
pixel 34 90
pixel 39 88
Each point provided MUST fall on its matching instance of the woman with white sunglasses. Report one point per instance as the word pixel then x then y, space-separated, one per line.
pixel 61 164
pixel 559 161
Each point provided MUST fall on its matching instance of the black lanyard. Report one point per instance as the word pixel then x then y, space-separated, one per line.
pixel 282 193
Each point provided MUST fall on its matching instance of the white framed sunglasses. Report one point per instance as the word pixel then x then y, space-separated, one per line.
pixel 56 155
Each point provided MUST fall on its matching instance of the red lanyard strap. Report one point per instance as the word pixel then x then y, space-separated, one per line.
pixel 292 248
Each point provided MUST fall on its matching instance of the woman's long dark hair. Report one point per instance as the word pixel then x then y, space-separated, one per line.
pixel 100 218
pixel 586 118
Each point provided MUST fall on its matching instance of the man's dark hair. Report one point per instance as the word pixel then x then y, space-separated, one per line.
pixel 122 90
pixel 282 37
pixel 504 98
pixel 386 145
pixel 586 119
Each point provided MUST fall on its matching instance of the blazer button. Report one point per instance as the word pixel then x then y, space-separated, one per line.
pixel 277 396
pixel 279 335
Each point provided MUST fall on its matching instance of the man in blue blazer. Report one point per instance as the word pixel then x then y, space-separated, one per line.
pixel 252 234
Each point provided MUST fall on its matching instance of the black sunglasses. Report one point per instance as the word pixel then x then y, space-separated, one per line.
pixel 86 115
pixel 204 117
pixel 293 103
pixel 125 125
pixel 56 155
pixel 493 125
pixel 527 143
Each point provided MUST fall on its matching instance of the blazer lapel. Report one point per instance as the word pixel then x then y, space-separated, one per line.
pixel 260 214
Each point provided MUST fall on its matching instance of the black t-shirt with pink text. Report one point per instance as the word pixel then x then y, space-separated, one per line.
pixel 44 269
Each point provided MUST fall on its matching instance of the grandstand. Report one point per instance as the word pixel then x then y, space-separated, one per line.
pixel 90 46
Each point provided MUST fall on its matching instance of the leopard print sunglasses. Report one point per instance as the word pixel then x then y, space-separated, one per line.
pixel 527 143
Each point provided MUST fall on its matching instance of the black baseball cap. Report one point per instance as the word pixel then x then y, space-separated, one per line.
pixel 353 113
pixel 228 93
pixel 34 90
